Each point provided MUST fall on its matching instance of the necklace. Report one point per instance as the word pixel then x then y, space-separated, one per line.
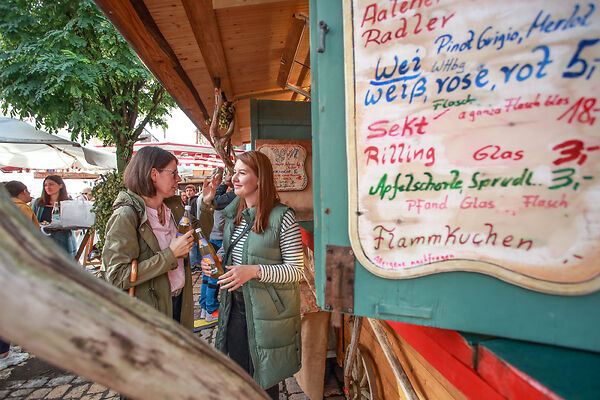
pixel 161 214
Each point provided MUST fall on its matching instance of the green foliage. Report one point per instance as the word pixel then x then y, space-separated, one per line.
pixel 105 192
pixel 64 64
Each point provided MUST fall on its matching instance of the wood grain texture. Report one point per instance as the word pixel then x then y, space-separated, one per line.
pixel 427 382
pixel 66 316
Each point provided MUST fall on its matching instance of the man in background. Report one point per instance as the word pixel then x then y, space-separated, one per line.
pixel 86 194
pixel 192 200
pixel 21 197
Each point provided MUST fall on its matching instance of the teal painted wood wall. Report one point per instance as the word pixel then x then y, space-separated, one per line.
pixel 458 300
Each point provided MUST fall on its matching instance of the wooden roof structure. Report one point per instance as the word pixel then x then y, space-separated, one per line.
pixel 246 47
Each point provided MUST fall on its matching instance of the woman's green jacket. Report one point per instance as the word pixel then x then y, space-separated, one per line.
pixel 130 237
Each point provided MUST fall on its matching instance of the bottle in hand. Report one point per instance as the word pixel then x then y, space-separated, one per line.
pixel 208 251
pixel 185 223
pixel 56 212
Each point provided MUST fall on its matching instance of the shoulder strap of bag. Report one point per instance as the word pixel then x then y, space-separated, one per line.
pixel 137 217
pixel 134 264
pixel 237 239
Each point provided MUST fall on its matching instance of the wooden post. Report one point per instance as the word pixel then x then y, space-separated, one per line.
pixel 66 316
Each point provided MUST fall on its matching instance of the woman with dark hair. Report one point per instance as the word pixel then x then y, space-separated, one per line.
pixel 54 191
pixel 143 227
pixel 259 317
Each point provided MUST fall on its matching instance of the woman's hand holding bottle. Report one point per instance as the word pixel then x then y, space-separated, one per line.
pixel 181 246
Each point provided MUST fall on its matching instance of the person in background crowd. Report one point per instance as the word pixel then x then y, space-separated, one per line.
pixel 259 317
pixel 10 358
pixel 225 193
pixel 54 191
pixel 86 194
pixel 192 198
pixel 192 201
pixel 21 197
pixel 143 227
pixel 209 292
pixel 184 198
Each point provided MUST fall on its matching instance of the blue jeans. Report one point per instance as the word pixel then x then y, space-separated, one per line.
pixel 209 292
pixel 4 347
pixel 195 257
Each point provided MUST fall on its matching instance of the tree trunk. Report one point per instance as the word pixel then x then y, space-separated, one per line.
pixel 66 316
pixel 124 152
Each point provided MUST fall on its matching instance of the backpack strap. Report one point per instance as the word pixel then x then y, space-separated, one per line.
pixel 137 217
pixel 134 264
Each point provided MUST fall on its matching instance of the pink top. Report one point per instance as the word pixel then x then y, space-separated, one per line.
pixel 164 234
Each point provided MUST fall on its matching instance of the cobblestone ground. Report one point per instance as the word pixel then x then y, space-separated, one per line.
pixel 36 379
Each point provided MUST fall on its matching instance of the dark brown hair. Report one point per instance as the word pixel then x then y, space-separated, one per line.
pixel 137 176
pixel 267 194
pixel 14 188
pixel 62 194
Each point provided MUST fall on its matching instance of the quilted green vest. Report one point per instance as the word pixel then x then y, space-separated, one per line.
pixel 272 309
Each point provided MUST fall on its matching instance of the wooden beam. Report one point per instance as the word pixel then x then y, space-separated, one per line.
pixel 126 20
pixel 203 21
pixel 144 14
pixel 216 4
pixel 290 49
pixel 260 93
pixel 302 75
pixel 66 316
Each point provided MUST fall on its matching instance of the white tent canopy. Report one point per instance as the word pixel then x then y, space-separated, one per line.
pixel 23 146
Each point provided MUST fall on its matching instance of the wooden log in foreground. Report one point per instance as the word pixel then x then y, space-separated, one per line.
pixel 64 315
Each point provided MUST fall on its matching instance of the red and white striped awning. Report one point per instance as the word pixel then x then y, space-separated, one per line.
pixel 190 156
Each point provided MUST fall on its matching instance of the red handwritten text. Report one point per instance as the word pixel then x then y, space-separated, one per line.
pixel 494 152
pixel 410 127
pixel 412 25
pixel 536 201
pixel 399 153
pixel 571 150
pixel 418 204
pixel 450 236
pixel 474 202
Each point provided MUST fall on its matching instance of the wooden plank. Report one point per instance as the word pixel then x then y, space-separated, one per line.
pixel 253 41
pixel 125 19
pixel 426 380
pixel 392 358
pixel 88 327
pixel 148 21
pixel 290 49
pixel 206 31
pixel 304 72
pixel 463 377
pixel 240 3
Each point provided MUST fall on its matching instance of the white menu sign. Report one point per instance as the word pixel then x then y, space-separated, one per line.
pixel 474 140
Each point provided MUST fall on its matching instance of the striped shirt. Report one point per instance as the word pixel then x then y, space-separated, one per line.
pixel 290 243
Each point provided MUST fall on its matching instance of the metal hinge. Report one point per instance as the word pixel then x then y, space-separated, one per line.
pixel 339 286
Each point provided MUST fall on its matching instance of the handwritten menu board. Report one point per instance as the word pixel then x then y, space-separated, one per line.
pixel 474 141
pixel 288 165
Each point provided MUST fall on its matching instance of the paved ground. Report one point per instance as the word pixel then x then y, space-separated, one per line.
pixel 36 379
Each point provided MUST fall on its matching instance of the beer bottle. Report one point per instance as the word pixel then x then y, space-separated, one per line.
pixel 208 251
pixel 185 223
pixel 56 212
